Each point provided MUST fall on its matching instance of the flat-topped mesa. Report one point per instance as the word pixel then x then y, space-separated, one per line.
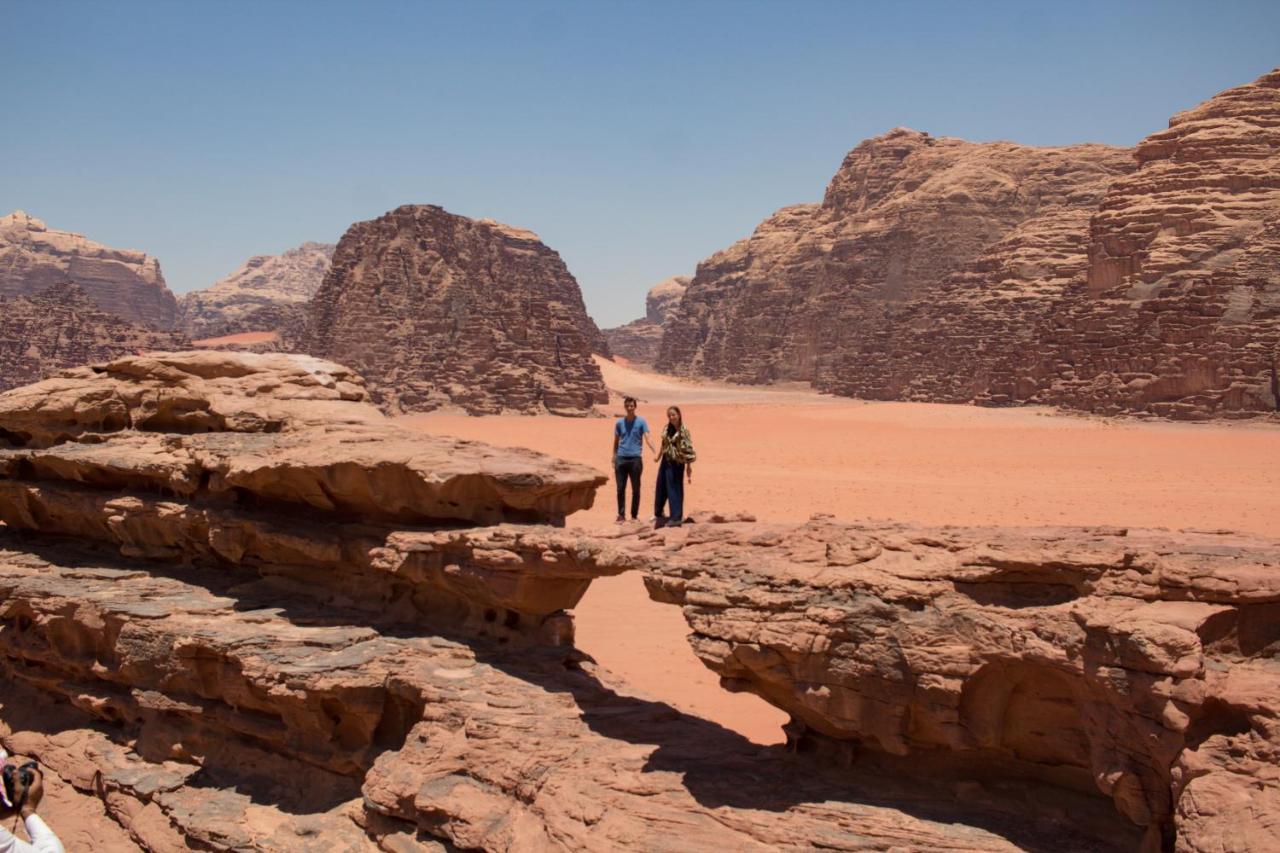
pixel 122 282
pixel 1138 664
pixel 279 463
pixel 439 310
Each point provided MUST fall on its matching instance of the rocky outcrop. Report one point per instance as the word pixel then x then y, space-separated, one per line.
pixel 640 340
pixel 61 327
pixel 439 310
pixel 267 293
pixel 122 282
pixel 247 612
pixel 1137 665
pixel 815 293
pixel 1178 313
pixel 1116 282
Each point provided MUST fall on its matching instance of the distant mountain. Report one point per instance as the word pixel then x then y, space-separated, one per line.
pixel 267 293
pixel 122 282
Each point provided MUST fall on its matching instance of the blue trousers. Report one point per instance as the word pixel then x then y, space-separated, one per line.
pixel 670 490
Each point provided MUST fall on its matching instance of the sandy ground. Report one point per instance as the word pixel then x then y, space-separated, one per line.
pixel 242 338
pixel 783 454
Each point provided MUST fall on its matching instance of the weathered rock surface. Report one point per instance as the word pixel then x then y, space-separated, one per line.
pixel 230 609
pixel 1135 664
pixel 122 282
pixel 817 285
pixel 1143 287
pixel 640 340
pixel 1179 312
pixel 267 293
pixel 61 327
pixel 439 310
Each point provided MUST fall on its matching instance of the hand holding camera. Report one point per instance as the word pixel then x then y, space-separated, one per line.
pixel 23 786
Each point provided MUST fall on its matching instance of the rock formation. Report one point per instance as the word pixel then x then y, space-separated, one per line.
pixel 640 340
pixel 815 283
pixel 1137 665
pixel 267 293
pixel 1179 312
pixel 120 281
pixel 61 327
pixel 247 612
pixel 946 271
pixel 435 310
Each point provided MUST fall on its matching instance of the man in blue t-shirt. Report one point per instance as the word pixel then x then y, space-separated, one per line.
pixel 628 456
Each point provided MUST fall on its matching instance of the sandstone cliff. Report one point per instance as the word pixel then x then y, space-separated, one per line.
pixel 435 309
pixel 1115 282
pixel 245 611
pixel 640 340
pixel 1179 312
pixel 817 283
pixel 123 282
pixel 61 327
pixel 267 293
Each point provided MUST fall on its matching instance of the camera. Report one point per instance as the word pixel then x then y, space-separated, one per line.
pixel 17 779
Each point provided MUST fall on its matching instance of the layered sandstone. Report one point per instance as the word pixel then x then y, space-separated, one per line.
pixel 122 282
pixel 267 293
pixel 246 611
pixel 439 310
pixel 1178 313
pixel 640 340
pixel 816 292
pixel 61 327
pixel 1114 285
pixel 1134 665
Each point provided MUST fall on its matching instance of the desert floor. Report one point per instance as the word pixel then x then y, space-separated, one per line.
pixel 784 454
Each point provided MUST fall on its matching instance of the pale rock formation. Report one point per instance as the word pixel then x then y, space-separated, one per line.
pixel 267 293
pixel 61 327
pixel 439 310
pixel 123 282
pixel 639 340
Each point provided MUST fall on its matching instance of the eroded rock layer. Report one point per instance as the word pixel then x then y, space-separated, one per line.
pixel 1139 665
pixel 61 327
pixel 122 282
pixel 267 293
pixel 439 310
pixel 640 340
pixel 248 613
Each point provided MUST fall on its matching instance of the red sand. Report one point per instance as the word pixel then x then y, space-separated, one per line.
pixel 242 338
pixel 785 454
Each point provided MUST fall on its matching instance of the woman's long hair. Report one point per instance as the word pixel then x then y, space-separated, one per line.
pixel 673 429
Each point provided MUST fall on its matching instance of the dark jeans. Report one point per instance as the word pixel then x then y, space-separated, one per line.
pixel 670 490
pixel 628 468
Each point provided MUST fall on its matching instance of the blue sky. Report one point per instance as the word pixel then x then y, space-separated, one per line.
pixel 635 138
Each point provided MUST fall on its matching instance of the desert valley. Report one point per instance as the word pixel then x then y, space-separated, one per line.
pixel 982 549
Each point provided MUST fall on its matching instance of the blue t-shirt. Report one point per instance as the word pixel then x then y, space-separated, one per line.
pixel 630 438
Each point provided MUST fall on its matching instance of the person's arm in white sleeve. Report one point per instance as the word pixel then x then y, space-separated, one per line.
pixel 43 839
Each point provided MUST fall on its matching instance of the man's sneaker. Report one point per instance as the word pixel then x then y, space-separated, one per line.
pixel 620 519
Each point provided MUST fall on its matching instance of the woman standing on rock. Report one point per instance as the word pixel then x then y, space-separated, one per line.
pixel 675 463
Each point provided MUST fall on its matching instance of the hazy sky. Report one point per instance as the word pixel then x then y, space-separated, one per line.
pixel 635 138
